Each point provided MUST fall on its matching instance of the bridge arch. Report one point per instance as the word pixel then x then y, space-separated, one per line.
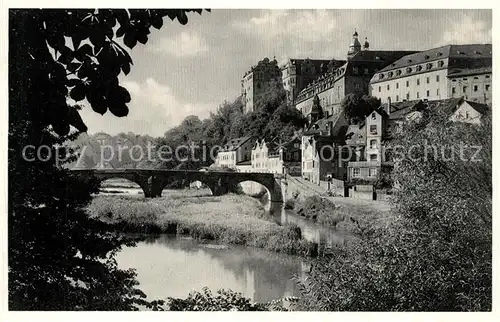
pixel 152 182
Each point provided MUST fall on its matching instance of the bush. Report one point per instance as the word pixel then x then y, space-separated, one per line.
pixel 436 254
pixel 224 300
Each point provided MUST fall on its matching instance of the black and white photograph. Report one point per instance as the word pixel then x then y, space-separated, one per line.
pixel 209 159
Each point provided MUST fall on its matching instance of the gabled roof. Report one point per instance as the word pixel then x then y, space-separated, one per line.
pixel 319 128
pixel 480 108
pixel 235 144
pixel 401 109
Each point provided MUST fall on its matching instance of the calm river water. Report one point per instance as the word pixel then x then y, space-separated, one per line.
pixel 174 266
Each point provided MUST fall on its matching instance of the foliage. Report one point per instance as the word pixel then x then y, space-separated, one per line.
pixel 59 259
pixel 224 300
pixel 357 106
pixel 272 118
pixel 436 254
pixel 202 217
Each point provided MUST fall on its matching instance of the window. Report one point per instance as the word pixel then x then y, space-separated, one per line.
pixel 440 63
pixel 418 81
pixel 388 98
pixel 437 92
pixel 373 129
pixel 397 85
pixel 373 157
pixel 356 172
pixel 373 144
pixel 487 87
pixel 407 83
pixel 380 76
pixel 397 98
pixel 464 89
pixel 428 80
pixel 418 95
pixel 373 172
pixel 388 87
pixel 487 76
pixel 437 78
pixel 428 93
pixel 379 89
pixel 408 96
pixel 419 68
pixel 408 70
pixel 453 90
pixel 374 116
pixel 475 88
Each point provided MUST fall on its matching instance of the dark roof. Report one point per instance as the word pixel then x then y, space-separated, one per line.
pixel 456 72
pixel 319 128
pixel 448 51
pixel 448 105
pixel 401 109
pixel 480 108
pixel 382 56
pixel 234 144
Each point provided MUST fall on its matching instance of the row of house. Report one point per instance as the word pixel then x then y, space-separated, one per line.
pixel 247 154
pixel 454 78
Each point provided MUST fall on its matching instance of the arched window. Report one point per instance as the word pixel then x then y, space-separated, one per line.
pixel 440 63
pixel 409 70
pixel 419 68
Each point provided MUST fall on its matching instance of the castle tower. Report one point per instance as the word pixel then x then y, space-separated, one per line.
pixel 355 45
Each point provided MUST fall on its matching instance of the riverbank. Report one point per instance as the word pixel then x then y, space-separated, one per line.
pixel 342 214
pixel 227 219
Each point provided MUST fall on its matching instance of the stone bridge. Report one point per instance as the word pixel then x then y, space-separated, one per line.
pixel 153 182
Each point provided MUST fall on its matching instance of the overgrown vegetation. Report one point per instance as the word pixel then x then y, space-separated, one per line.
pixel 241 221
pixel 436 254
pixel 59 258
pixel 224 300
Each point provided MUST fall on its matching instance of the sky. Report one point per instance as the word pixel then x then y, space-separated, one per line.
pixel 192 69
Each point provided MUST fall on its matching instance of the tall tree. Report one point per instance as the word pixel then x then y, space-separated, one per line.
pixel 59 259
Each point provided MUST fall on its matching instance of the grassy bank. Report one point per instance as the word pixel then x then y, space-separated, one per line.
pixel 352 217
pixel 229 219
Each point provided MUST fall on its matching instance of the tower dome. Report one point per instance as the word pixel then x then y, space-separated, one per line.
pixel 355 44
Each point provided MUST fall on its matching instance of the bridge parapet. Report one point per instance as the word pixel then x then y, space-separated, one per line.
pixel 153 181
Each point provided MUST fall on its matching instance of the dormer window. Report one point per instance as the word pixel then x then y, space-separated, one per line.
pixel 410 61
pixel 398 72
pixel 409 70
pixel 380 76
pixel 439 54
pixel 419 68
pixel 440 63
pixel 427 57
pixel 391 74
pixel 428 66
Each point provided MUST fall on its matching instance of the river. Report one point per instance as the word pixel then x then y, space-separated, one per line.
pixel 174 266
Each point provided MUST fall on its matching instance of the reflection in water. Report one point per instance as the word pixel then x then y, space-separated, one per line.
pixel 325 237
pixel 170 266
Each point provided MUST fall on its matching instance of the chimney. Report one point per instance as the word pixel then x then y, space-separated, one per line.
pixel 389 105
